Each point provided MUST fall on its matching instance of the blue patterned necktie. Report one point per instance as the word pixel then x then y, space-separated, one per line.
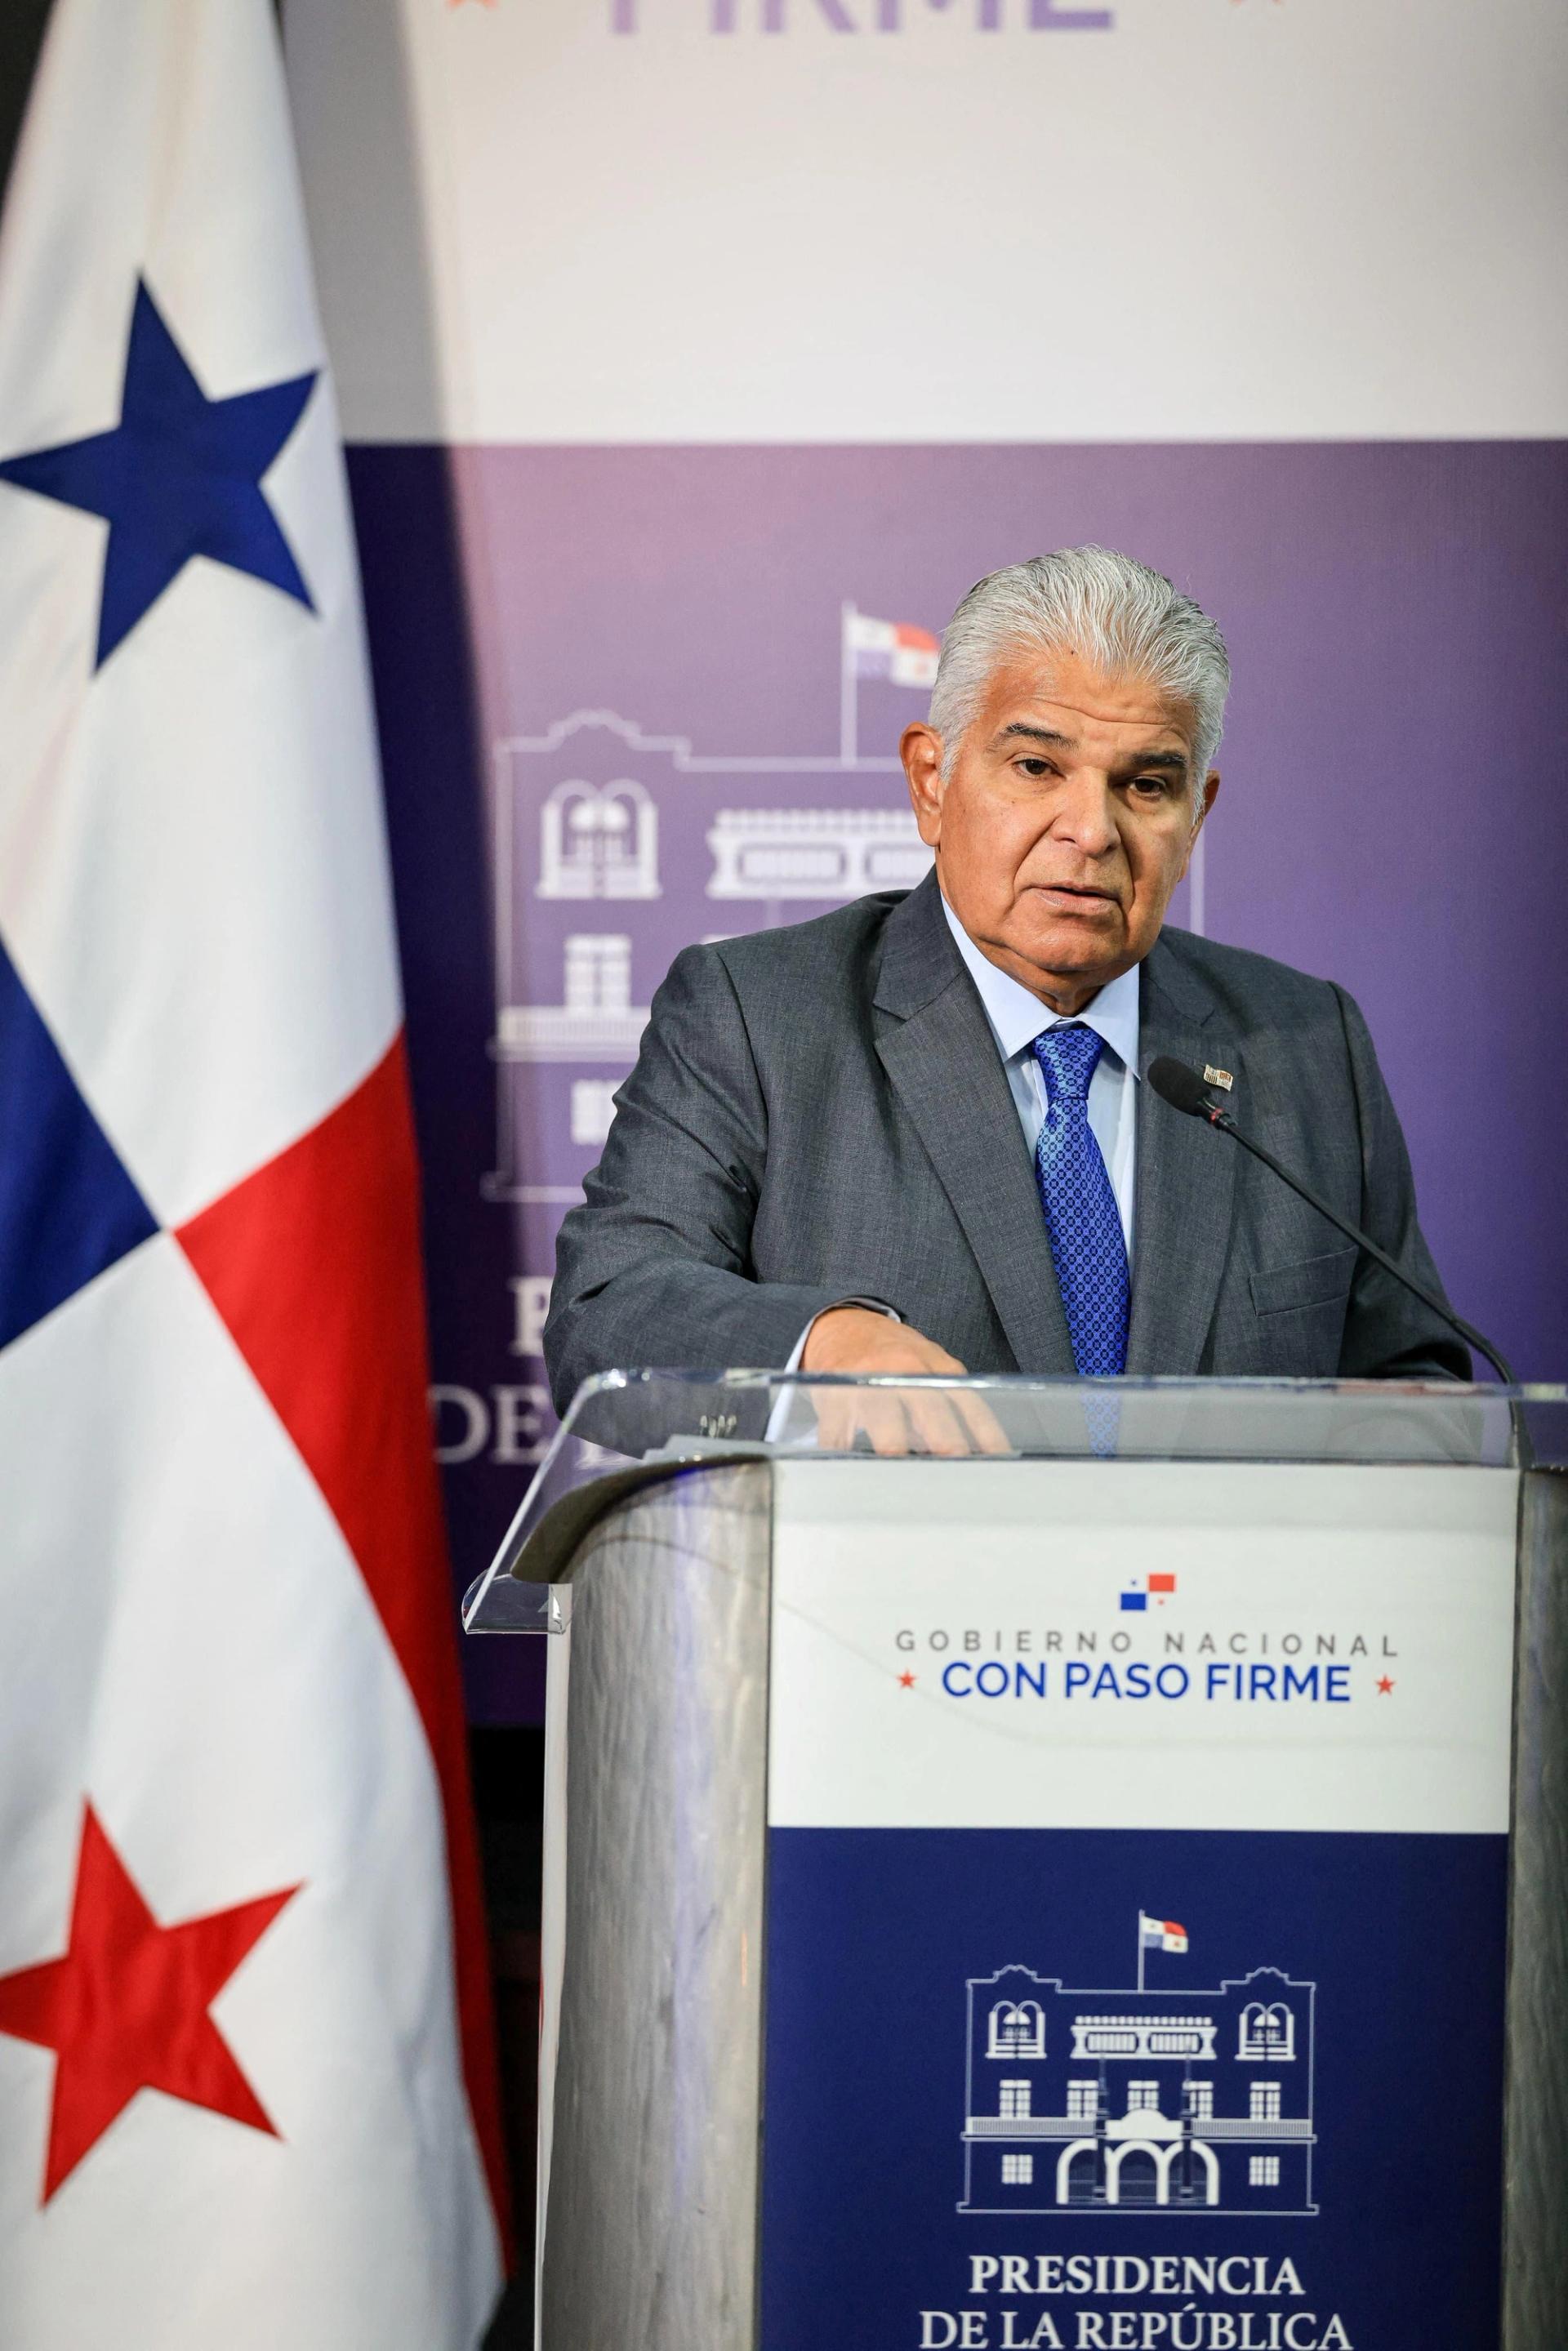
pixel 1080 1214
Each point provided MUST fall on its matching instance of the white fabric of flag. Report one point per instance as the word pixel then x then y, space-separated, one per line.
pixel 895 650
pixel 1160 1934
pixel 245 2094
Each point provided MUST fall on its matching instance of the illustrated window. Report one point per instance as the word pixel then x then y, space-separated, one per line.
pixel 1263 2171
pixel 1082 2101
pixel 1200 2100
pixel 1265 2105
pixel 1017 2028
pixel 1017 2170
pixel 1266 2032
pixel 1015 2101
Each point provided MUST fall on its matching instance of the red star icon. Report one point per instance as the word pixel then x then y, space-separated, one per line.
pixel 1384 1684
pixel 907 1681
pixel 127 2006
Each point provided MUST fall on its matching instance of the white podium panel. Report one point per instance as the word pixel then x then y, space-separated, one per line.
pixel 1062 1645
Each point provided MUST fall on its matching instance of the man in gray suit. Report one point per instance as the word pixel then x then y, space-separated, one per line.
pixel 915 1135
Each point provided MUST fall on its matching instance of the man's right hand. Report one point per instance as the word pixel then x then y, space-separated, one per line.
pixel 912 1420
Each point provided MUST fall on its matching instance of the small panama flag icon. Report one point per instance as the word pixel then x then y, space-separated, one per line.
pixel 1160 1934
pixel 1157 1588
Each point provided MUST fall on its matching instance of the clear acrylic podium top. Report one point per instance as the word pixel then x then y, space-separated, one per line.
pixel 625 1428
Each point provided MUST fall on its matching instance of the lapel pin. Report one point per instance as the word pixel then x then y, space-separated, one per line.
pixel 1218 1078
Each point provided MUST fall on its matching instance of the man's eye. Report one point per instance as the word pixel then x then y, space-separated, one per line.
pixel 1033 767
pixel 1153 787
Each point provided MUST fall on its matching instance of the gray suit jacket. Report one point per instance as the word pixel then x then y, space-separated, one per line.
pixel 820 1112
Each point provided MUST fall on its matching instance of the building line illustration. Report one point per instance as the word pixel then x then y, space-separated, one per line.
pixel 1172 2101
pixel 598 844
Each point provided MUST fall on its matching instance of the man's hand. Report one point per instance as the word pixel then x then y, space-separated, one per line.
pixel 914 1420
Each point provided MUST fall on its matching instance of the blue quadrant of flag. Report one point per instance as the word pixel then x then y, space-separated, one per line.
pixel 68 1209
pixel 180 476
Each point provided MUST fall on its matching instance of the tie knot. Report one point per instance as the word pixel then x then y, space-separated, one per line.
pixel 1068 1055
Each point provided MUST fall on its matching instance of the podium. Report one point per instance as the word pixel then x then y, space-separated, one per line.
pixel 1106 1888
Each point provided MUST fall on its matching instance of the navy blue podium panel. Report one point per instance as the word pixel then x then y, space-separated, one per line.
pixel 1136 1906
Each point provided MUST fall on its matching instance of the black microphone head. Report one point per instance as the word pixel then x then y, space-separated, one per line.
pixel 1181 1087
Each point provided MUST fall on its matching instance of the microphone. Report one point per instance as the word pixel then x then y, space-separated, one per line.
pixel 1185 1091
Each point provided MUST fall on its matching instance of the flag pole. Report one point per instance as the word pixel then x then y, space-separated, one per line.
pixel 1140 1950
pixel 848 729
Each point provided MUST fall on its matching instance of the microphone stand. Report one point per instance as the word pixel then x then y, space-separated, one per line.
pixel 1185 1091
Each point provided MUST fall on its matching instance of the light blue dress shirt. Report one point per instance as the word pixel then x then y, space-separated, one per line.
pixel 1017 1018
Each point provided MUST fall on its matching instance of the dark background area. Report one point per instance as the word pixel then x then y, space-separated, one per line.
pixel 21 30
pixel 508 1789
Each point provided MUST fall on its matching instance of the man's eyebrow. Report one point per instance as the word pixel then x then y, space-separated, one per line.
pixel 1037 735
pixel 1175 761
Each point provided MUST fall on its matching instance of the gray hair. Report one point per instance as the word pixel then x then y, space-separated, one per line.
pixel 1110 610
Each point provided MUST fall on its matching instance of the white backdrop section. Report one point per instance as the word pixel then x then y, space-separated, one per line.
pixel 1212 220
pixel 1020 1703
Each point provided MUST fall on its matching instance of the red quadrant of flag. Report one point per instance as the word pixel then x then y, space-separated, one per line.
pixel 127 2006
pixel 314 1264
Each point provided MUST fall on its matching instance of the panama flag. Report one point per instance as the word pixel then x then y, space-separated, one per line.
pixel 895 650
pixel 245 2096
pixel 1160 1934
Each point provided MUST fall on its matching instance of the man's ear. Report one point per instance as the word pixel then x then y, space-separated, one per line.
pixel 920 748
pixel 1210 792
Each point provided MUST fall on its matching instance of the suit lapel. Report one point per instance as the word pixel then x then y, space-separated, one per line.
pixel 1185 1174
pixel 941 1057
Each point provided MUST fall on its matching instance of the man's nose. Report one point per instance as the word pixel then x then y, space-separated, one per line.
pixel 1086 815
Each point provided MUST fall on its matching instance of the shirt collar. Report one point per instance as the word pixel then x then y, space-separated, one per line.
pixel 1017 1018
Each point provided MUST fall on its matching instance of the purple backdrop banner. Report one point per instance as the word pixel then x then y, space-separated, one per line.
pixel 616 718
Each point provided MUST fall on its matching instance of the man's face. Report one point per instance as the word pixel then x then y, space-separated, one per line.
pixel 1066 822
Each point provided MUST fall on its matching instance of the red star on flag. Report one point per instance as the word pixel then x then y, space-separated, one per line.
pixel 907 1681
pixel 1384 1684
pixel 127 2008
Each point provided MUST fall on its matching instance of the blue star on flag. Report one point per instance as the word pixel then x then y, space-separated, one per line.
pixel 180 476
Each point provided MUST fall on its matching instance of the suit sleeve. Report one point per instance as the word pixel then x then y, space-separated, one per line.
pixel 1388 1334
pixel 655 1268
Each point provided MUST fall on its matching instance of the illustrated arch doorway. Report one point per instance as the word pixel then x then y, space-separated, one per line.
pixel 1138 2173
pixel 1078 2172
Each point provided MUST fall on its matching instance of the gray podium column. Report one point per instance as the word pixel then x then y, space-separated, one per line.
pixel 651 2221
pixel 1535 2196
